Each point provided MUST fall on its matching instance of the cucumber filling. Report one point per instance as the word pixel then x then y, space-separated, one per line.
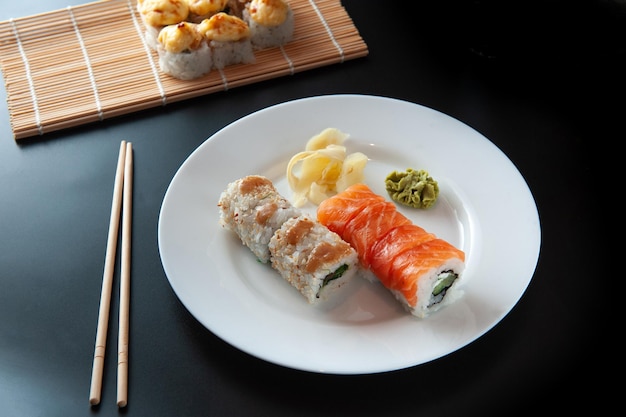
pixel 337 273
pixel 443 283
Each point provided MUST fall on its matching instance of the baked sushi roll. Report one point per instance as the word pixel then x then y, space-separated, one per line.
pixel 156 14
pixel 203 9
pixel 183 52
pixel 271 22
pixel 253 209
pixel 229 39
pixel 311 258
pixel 421 270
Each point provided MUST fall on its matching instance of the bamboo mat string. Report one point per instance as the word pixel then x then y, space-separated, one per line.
pixel 92 79
pixel 328 29
pixel 224 79
pixel 29 77
pixel 146 47
pixel 289 61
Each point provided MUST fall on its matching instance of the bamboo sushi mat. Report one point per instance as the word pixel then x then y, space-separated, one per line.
pixel 90 62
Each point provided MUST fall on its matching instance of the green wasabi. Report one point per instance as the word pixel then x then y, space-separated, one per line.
pixel 412 188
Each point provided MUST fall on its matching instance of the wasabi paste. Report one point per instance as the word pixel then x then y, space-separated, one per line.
pixel 412 188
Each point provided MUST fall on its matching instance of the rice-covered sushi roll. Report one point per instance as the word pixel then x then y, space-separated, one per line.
pixel 229 39
pixel 203 9
pixel 183 52
pixel 156 14
pixel 311 258
pixel 271 22
pixel 253 209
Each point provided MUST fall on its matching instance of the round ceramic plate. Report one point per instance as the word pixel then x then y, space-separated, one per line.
pixel 484 208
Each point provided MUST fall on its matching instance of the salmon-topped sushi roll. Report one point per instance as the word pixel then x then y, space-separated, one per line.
pixel 418 268
pixel 421 276
pixel 365 229
pixel 337 211
pixel 393 243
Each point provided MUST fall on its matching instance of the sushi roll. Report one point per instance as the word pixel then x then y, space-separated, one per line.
pixel 311 258
pixel 423 278
pixel 271 22
pixel 183 52
pixel 421 270
pixel 156 14
pixel 337 212
pixel 203 9
pixel 229 39
pixel 253 209
pixel 370 224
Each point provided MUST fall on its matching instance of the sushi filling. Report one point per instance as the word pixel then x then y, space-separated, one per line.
pixel 332 276
pixel 443 283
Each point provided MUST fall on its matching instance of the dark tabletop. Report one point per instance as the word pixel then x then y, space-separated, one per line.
pixel 544 81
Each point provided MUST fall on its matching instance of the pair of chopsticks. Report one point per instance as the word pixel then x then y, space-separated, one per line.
pixel 122 194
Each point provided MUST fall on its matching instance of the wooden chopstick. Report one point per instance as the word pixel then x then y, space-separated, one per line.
pixel 122 192
pixel 122 348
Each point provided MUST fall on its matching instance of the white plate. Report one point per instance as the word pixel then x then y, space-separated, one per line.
pixel 485 208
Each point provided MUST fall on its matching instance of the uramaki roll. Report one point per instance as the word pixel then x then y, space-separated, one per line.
pixel 183 52
pixel 419 269
pixel 229 39
pixel 311 258
pixel 252 208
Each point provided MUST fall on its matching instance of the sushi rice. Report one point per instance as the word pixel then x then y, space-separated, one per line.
pixel 229 53
pixel 186 65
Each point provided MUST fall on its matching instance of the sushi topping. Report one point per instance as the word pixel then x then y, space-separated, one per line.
pixel 444 281
pixel 206 7
pixel 269 12
pixel 163 12
pixel 412 188
pixel 180 37
pixel 223 27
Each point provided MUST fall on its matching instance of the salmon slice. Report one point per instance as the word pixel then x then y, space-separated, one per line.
pixel 335 212
pixel 373 222
pixel 409 266
pixel 393 243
